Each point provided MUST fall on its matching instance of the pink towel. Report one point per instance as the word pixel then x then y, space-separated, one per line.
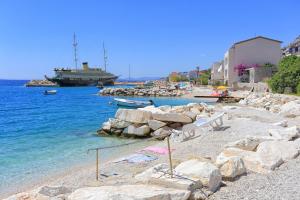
pixel 158 150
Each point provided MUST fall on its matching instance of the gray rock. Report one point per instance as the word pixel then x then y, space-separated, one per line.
pixel 291 108
pixel 134 116
pixel 129 192
pixel 106 126
pixel 162 132
pixel 231 167
pixel 285 134
pixel 175 125
pixel 155 124
pixel 172 117
pixel 119 124
pixel 207 173
pixel 248 143
pixel 54 191
pixel 251 159
pixel 143 130
pixel 159 175
pixel 285 150
pixel 191 115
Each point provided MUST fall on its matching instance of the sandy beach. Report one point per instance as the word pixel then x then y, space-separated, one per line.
pixel 239 121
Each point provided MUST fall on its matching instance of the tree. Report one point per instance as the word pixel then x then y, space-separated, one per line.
pixel 288 75
pixel 204 77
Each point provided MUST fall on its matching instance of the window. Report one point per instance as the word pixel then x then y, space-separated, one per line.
pixel 296 49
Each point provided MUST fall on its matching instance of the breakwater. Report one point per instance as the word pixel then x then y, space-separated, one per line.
pixel 40 83
pixel 153 121
pixel 170 91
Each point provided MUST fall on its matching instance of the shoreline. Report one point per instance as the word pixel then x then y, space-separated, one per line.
pixel 239 122
pixel 68 175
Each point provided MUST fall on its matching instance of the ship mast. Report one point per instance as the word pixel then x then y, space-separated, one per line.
pixel 75 50
pixel 104 57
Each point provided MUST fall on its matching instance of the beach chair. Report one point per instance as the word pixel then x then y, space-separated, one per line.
pixel 215 121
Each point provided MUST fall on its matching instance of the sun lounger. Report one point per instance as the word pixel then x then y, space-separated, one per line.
pixel 215 121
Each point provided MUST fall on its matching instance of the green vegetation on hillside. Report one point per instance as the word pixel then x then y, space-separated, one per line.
pixel 288 76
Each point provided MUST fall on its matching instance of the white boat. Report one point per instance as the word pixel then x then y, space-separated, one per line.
pixel 47 92
pixel 132 103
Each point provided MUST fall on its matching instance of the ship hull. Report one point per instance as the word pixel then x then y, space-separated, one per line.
pixel 75 83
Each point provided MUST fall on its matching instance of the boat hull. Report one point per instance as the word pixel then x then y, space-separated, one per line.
pixel 131 104
pixel 76 82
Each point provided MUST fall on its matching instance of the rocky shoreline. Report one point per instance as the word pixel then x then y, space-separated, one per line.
pixel 153 91
pixel 255 155
pixel 40 83
pixel 153 121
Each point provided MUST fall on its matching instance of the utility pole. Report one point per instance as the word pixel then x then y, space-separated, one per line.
pixel 104 57
pixel 75 50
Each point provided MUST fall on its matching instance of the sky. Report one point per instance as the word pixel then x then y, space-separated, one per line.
pixel 154 37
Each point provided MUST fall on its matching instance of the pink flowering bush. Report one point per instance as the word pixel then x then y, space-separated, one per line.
pixel 241 68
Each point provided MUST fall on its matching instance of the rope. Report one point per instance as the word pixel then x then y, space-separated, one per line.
pixel 129 143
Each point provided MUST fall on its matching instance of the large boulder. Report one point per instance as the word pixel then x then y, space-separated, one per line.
pixel 136 130
pixel 285 150
pixel 134 116
pixel 231 167
pixel 159 175
pixel 283 123
pixel 196 110
pixel 251 159
pixel 172 117
pixel 152 109
pixel 191 115
pixel 288 134
pixel 53 192
pixel 119 124
pixel 165 108
pixel 155 124
pixel 161 133
pixel 248 143
pixel 291 108
pixel 106 126
pixel 207 173
pixel 179 109
pixel 129 192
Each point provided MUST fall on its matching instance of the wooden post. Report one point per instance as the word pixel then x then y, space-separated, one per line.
pixel 97 164
pixel 170 157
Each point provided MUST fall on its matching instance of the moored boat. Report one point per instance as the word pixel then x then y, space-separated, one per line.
pixel 47 92
pixel 133 103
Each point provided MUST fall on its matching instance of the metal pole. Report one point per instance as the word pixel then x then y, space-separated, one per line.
pixel 97 164
pixel 170 157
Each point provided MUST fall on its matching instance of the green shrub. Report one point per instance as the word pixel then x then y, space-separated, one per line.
pixel 298 88
pixel 288 75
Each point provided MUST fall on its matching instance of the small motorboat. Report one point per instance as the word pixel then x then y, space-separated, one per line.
pixel 49 92
pixel 133 103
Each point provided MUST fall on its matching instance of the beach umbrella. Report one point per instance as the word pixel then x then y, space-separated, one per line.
pixel 222 88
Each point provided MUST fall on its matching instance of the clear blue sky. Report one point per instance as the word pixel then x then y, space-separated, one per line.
pixel 154 36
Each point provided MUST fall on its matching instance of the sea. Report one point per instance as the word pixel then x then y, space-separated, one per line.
pixel 46 134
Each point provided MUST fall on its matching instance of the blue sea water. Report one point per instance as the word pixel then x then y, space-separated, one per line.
pixel 43 134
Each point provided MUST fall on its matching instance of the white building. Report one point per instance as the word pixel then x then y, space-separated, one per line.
pixel 217 72
pixel 293 48
pixel 257 51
